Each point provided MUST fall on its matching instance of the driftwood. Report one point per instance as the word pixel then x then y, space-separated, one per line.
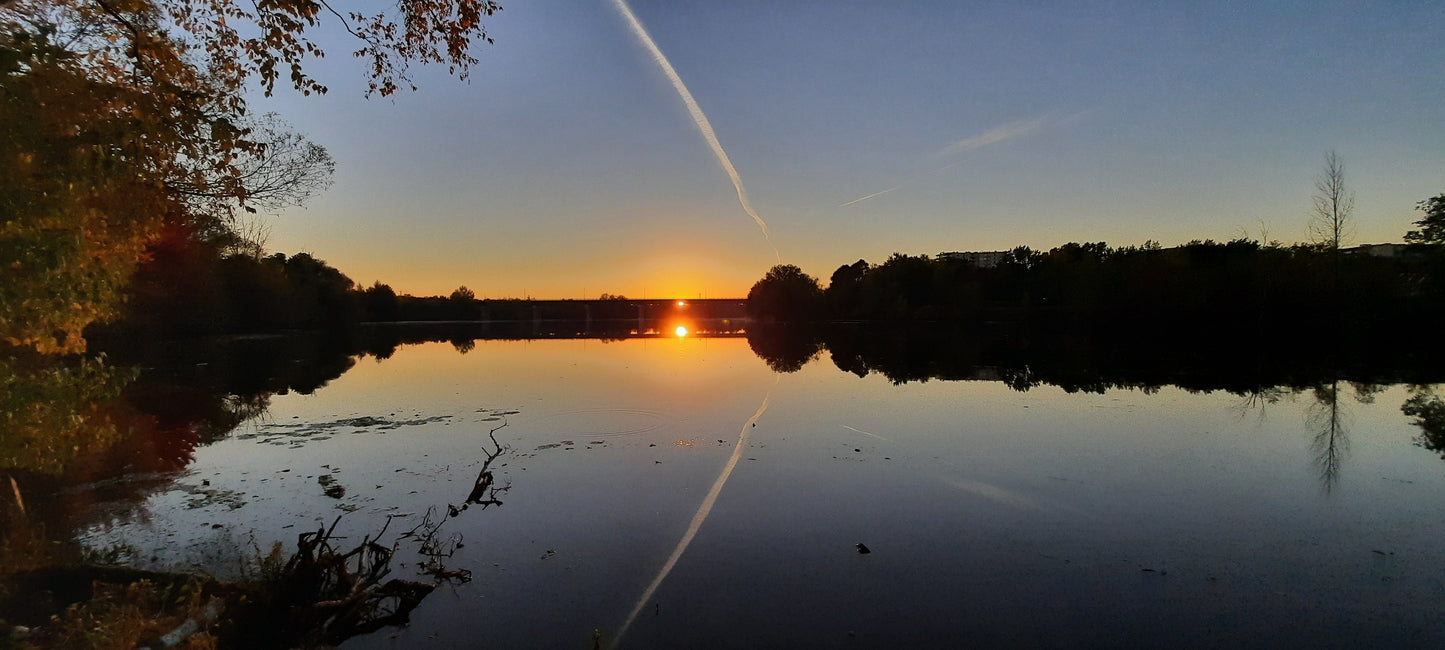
pixel 335 595
pixel 484 492
pixel 326 594
pixel 437 548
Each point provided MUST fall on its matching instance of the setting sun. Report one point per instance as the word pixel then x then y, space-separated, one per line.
pixel 680 331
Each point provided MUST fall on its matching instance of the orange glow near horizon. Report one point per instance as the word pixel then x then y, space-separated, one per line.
pixel 653 270
pixel 680 331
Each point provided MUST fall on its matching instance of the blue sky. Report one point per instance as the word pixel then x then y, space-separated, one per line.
pixel 569 164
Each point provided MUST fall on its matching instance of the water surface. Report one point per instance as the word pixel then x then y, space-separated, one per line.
pixel 994 516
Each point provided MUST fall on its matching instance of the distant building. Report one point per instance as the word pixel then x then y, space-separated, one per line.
pixel 978 260
pixel 1380 250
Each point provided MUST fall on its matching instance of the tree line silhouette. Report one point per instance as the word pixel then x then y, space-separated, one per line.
pixel 1240 284
pixel 194 287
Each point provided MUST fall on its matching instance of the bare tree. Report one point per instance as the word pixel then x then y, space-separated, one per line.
pixel 250 233
pixel 283 169
pixel 1334 204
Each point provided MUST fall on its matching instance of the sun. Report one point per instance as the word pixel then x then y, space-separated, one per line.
pixel 680 331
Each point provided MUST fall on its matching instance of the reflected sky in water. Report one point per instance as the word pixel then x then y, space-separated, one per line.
pixel 995 517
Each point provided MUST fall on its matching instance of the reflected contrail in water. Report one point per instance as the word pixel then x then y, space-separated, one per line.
pixel 1008 498
pixel 702 512
pixel 993 493
pixel 864 432
pixel 698 117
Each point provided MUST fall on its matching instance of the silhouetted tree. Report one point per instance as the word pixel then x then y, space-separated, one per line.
pixel 321 296
pixel 1334 204
pixel 844 288
pixel 284 169
pixel 258 296
pixel 900 288
pixel 380 302
pixel 1432 225
pixel 1428 244
pixel 785 294
pixel 1238 286
pixel 463 304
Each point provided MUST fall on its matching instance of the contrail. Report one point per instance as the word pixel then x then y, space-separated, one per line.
pixel 898 186
pixel 865 198
pixel 1002 133
pixel 698 117
pixel 997 134
pixel 702 512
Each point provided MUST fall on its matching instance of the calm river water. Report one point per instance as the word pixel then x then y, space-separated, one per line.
pixel 678 492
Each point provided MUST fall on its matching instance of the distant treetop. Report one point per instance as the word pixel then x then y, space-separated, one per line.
pixel 1432 225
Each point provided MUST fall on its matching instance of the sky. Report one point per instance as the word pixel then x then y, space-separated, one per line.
pixel 569 164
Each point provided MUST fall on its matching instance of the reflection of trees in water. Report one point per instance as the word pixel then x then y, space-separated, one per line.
pixel 123 433
pixel 784 349
pixel 53 410
pixel 1427 411
pixel 1096 361
pixel 1258 400
pixel 1365 392
pixel 463 345
pixel 87 442
pixel 1328 419
pixel 105 423
pixel 245 408
pixel 1020 379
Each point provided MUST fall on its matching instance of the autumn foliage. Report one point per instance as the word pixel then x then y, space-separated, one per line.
pixel 121 118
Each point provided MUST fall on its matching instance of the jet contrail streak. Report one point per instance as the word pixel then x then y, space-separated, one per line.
pixel 1017 129
pixel 698 117
pixel 865 198
pixel 997 135
pixel 702 512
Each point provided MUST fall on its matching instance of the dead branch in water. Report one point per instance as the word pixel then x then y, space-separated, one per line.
pixel 335 595
pixel 484 491
pixel 436 548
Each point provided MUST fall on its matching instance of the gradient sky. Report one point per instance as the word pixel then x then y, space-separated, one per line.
pixel 569 164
